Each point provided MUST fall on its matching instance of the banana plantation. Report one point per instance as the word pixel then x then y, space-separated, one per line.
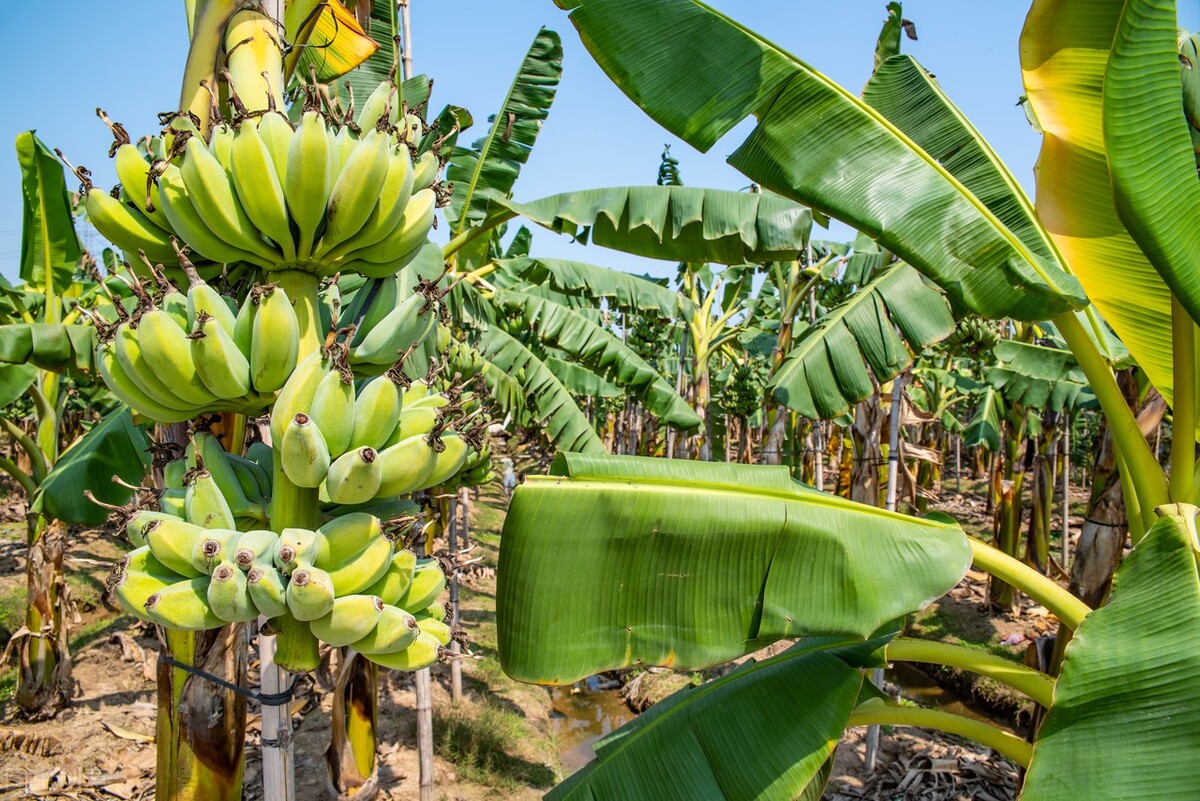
pixel 325 476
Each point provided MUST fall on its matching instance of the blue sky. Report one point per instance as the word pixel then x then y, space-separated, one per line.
pixel 129 62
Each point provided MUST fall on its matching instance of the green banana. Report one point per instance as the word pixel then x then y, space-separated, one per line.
pixel 255 482
pixel 425 170
pixel 408 234
pixel 256 547
pixel 173 541
pixel 267 590
pixel 357 191
pixel 347 534
pixel 173 502
pixel 276 132
pixel 421 653
pixel 303 453
pixel 354 477
pixel 204 299
pixel 394 631
pixel 393 584
pixel 414 421
pixel 310 593
pixel 206 450
pixel 296 395
pixel 243 324
pixel 362 569
pixel 220 145
pixel 377 105
pixel 139 575
pixel 192 229
pixel 436 628
pixel 133 171
pixel 206 506
pixel 259 188
pixel 275 342
pixel 141 520
pixel 261 454
pixel 183 606
pixel 376 413
pixel 408 323
pixel 297 546
pixel 351 618
pixel 168 352
pixel 213 197
pixel 403 467
pixel 450 460
pixel 309 179
pixel 385 299
pixel 129 353
pixel 332 410
pixel 127 228
pixel 388 212
pixel 436 401
pixel 221 366
pixel 229 596
pixel 417 391
pixel 218 545
pixel 427 584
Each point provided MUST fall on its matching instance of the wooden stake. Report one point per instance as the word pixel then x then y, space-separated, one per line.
pixel 1066 497
pixel 278 759
pixel 424 732
pixel 455 647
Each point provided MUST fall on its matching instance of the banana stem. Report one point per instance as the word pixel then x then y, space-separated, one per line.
pixel 877 712
pixel 301 289
pixel 1035 684
pixel 1069 609
pixel 1183 404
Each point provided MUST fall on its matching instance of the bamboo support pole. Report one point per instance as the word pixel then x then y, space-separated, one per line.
pixel 424 689
pixel 452 532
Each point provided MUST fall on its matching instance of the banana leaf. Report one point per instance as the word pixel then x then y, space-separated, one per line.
pixel 896 193
pixel 547 399
pixel 612 562
pixel 15 379
pixel 582 381
pixel 984 427
pixel 738 736
pixel 825 372
pixel 599 350
pixel 865 260
pixel 488 169
pixel 677 223
pixel 64 349
pixel 113 447
pixel 334 44
pixel 1149 145
pixel 50 249
pixel 623 291
pixel 1064 47
pixel 1126 717
pixel 1039 378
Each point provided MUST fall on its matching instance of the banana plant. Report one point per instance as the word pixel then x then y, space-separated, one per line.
pixel 1118 170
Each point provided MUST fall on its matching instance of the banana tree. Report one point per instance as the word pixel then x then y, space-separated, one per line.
pixel 928 188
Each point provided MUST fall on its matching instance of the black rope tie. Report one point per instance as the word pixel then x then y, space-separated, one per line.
pixel 266 699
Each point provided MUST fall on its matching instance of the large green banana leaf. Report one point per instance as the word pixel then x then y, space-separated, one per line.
pixel 825 373
pixel 487 170
pixel 582 381
pixel 1126 716
pixel 113 447
pixel 15 379
pixel 1149 146
pixel 739 736
pixel 64 349
pixel 547 399
pixel 612 562
pixel 601 351
pixel 1064 47
pixel 623 291
pixel 678 223
pixel 1039 378
pixel 50 249
pixel 897 193
pixel 984 426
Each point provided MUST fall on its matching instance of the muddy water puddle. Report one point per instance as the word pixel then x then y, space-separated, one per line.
pixel 582 714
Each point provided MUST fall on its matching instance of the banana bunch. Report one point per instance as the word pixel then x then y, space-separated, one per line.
pixel 324 196
pixel 346 581
pixel 973 334
pixel 477 469
pixel 180 355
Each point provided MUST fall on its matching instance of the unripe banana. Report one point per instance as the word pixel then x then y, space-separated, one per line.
pixel 341 145
pixel 434 627
pixel 192 229
pixel 296 649
pixel 332 411
pixel 218 545
pixel 303 453
pixel 206 506
pixel 229 595
pixel 129 393
pixel 409 233
pixel 376 413
pixel 275 344
pixel 256 547
pixel 220 145
pixel 220 466
pixel 310 593
pixel 348 534
pixel 403 467
pixel 243 324
pixel 377 104
pixel 421 653
pixel 415 421
pixel 408 323
pixel 309 179
pixel 360 570
pixel 173 502
pixel 435 401
pixel 296 396
pixel 417 391
pixel 254 60
pixel 183 606
pixel 388 212
pixel 133 171
pixel 385 299
pixel 167 351
pixel 394 631
pixel 393 584
pixel 173 541
pixel 129 353
pixel 357 191
pixel 128 228
pixel 297 546
pixel 204 299
pixel 213 197
pixel 261 454
pixel 221 366
pixel 425 171
pixel 141 520
pixel 276 132
pixel 427 584
pixel 267 590
pixel 437 610
pixel 449 461
pixel 351 618
pixel 139 576
pixel 354 477
pixel 259 188
pixel 254 481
